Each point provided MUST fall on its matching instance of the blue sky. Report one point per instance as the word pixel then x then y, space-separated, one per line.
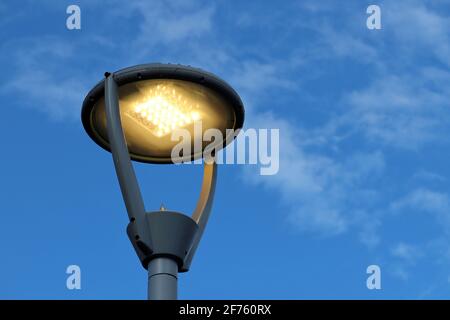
pixel 364 119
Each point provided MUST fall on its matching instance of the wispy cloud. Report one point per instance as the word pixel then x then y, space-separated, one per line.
pixel 428 176
pixel 403 111
pixel 436 204
pixel 407 252
pixel 256 77
pixel 317 187
pixel 404 103
pixel 172 21
pixel 38 80
pixel 418 27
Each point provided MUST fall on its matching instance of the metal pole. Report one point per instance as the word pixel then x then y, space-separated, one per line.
pixel 162 279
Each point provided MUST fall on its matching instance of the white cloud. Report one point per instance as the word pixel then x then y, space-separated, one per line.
pixel 39 81
pixel 407 252
pixel 252 76
pixel 399 271
pixel 403 111
pixel 325 195
pixel 436 204
pixel 369 233
pixel 418 28
pixel 345 45
pixel 60 99
pixel 427 176
pixel 405 104
pixel 174 23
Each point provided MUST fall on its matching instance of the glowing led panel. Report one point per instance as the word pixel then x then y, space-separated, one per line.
pixel 164 110
pixel 151 110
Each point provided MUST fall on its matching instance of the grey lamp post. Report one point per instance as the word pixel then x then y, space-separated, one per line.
pixel 132 113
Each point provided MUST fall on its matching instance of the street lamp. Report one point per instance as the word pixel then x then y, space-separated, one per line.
pixel 132 113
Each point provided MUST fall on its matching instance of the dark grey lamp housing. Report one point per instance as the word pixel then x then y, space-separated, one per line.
pixel 131 113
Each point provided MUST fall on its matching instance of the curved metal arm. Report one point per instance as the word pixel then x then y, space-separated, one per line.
pixel 122 162
pixel 204 205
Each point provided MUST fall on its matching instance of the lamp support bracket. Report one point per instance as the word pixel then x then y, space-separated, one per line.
pixel 160 233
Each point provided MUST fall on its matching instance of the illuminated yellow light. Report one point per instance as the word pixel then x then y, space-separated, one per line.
pixel 162 110
pixel 195 115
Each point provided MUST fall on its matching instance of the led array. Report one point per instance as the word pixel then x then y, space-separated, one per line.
pixel 163 110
